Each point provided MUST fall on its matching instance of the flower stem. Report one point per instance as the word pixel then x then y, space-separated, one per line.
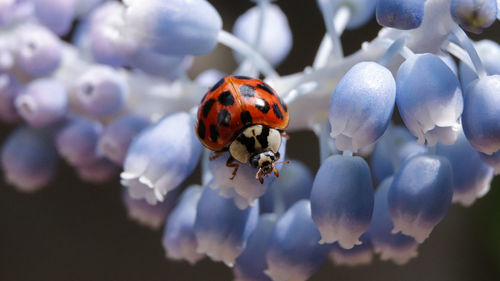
pixel 466 43
pixel 458 52
pixel 396 47
pixel 335 25
pixel 238 45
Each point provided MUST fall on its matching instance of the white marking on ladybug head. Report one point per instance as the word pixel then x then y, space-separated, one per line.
pixel 258 145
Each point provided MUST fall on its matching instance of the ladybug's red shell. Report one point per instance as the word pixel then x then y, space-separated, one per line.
pixel 233 103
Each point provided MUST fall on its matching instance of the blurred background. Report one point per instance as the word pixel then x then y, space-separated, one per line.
pixel 78 231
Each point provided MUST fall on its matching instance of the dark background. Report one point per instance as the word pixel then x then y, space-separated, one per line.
pixel 78 231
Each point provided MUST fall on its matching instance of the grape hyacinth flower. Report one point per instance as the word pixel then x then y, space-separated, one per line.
pixel 9 90
pixel 76 141
pixel 361 106
pixel 250 265
pixel 177 27
pixel 161 157
pixel 474 15
pixel 391 150
pixel 101 91
pixel 398 14
pixel 342 200
pixel 420 195
pixel 295 183
pixel 29 159
pixel 179 238
pixel 429 99
pixel 481 114
pixel 471 176
pixel 38 52
pixel 294 253
pixel 275 42
pixel 153 216
pixel 397 247
pixel 108 87
pixel 118 134
pixel 42 102
pixel 221 229
pixel 57 15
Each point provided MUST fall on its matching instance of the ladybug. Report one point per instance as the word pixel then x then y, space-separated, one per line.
pixel 246 117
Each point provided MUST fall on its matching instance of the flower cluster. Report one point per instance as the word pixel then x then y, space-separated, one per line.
pixel 116 99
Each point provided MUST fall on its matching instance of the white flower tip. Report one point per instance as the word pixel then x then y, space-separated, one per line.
pixel 126 176
pixel 144 180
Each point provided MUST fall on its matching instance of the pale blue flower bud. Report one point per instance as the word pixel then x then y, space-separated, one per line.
pixel 295 183
pixel 276 38
pixel 361 10
pixel 9 90
pixel 493 160
pixel 391 150
pixel 474 15
pixel 76 142
pixel 342 200
pixel 250 265
pixel 101 91
pixel 153 63
pixel 175 27
pixel 400 14
pixel 420 195
pixel 397 247
pixel 29 159
pixel 57 15
pixel 38 52
pixel 471 176
pixel 99 171
pixel 117 136
pixel 361 106
pixel 43 102
pixel 179 239
pixel 429 99
pixel 152 216
pixel 161 157
pixel 208 78
pixel 481 114
pixel 294 253
pixel 222 230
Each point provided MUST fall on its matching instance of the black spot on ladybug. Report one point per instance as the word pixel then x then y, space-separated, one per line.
pixel 247 91
pixel 249 143
pixel 242 77
pixel 262 138
pixel 207 106
pixel 246 117
pixel 226 98
pixel 262 105
pixel 266 88
pixel 223 118
pixel 217 85
pixel 277 111
pixel 214 133
pixel 283 104
pixel 201 129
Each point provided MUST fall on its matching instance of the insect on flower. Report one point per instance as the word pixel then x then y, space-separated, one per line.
pixel 246 117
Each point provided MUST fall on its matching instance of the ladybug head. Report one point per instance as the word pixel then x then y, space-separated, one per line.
pixel 265 163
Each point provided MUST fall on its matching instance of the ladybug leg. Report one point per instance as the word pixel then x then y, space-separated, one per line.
pixel 285 135
pixel 215 155
pixel 276 172
pixel 230 163
pixel 259 176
